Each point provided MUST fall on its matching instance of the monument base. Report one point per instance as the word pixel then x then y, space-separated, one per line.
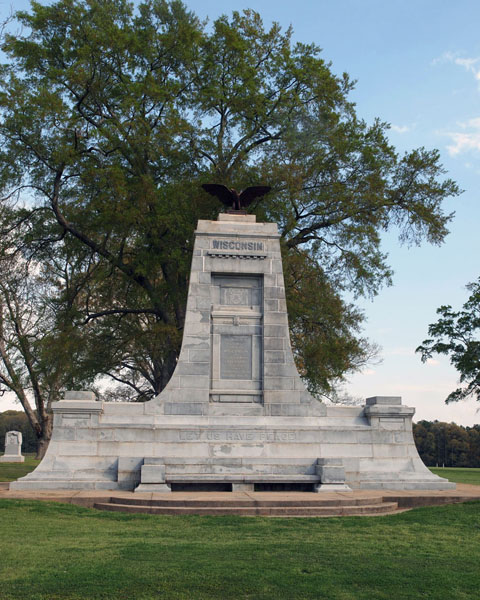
pixel 332 487
pixel 115 446
pixel 12 459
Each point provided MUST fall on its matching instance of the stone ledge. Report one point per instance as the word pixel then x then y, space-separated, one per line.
pixel 380 410
pixel 77 406
pixel 241 255
pixel 384 400
pixel 231 477
pixel 237 218
pixel 82 396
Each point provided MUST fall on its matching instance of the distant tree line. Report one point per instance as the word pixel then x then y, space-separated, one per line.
pixel 447 444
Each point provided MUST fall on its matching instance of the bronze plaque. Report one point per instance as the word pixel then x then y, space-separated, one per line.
pixel 235 356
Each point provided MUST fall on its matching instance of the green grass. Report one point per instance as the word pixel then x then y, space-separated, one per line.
pixel 12 471
pixel 62 552
pixel 458 475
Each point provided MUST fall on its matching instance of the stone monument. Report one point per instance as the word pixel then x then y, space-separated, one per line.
pixel 235 414
pixel 13 448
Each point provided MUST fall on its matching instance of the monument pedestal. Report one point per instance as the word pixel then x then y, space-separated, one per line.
pixel 235 412
pixel 13 448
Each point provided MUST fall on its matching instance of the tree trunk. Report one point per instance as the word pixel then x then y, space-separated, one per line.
pixel 42 445
pixel 168 368
pixel 44 438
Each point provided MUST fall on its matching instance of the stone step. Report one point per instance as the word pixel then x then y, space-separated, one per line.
pixel 401 484
pixel 258 468
pixel 232 461
pixel 428 500
pixel 251 502
pixel 248 477
pixel 268 511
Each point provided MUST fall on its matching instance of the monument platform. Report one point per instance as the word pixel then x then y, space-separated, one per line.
pixel 235 414
pixel 279 504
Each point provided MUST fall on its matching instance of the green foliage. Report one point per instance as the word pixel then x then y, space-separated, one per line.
pixel 37 358
pixel 110 119
pixel 88 554
pixel 457 335
pixel 323 328
pixel 447 444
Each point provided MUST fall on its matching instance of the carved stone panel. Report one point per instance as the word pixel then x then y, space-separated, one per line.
pixel 234 290
pixel 236 296
pixel 237 338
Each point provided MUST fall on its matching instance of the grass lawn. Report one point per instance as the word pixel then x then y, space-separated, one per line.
pixel 458 475
pixel 60 552
pixel 12 471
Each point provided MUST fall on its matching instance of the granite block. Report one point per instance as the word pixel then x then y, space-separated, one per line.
pixel 152 474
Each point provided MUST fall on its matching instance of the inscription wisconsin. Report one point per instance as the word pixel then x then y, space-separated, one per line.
pixel 236 356
pixel 235 245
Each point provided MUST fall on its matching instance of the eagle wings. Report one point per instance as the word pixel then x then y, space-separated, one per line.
pixel 234 199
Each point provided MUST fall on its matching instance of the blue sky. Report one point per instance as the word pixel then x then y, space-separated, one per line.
pixel 417 66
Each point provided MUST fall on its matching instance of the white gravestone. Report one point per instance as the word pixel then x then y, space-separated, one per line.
pixel 13 447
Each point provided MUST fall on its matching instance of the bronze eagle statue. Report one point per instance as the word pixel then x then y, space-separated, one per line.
pixel 233 199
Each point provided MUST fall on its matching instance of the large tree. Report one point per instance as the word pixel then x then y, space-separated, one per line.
pixel 457 335
pixel 40 353
pixel 110 119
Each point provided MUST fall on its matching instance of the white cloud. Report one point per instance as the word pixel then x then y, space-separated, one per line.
pixel 466 140
pixel 400 128
pixel 432 362
pixel 470 64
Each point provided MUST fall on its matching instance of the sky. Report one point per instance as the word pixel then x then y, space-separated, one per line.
pixel 417 67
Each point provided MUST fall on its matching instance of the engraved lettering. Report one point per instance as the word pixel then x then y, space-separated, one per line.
pixel 237 245
pixel 245 435
pixel 190 435
pixel 236 357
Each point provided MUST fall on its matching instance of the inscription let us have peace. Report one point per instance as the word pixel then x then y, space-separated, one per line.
pixel 247 435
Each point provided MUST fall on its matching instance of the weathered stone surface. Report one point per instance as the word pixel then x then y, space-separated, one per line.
pixel 385 400
pixel 13 448
pixel 79 395
pixel 153 474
